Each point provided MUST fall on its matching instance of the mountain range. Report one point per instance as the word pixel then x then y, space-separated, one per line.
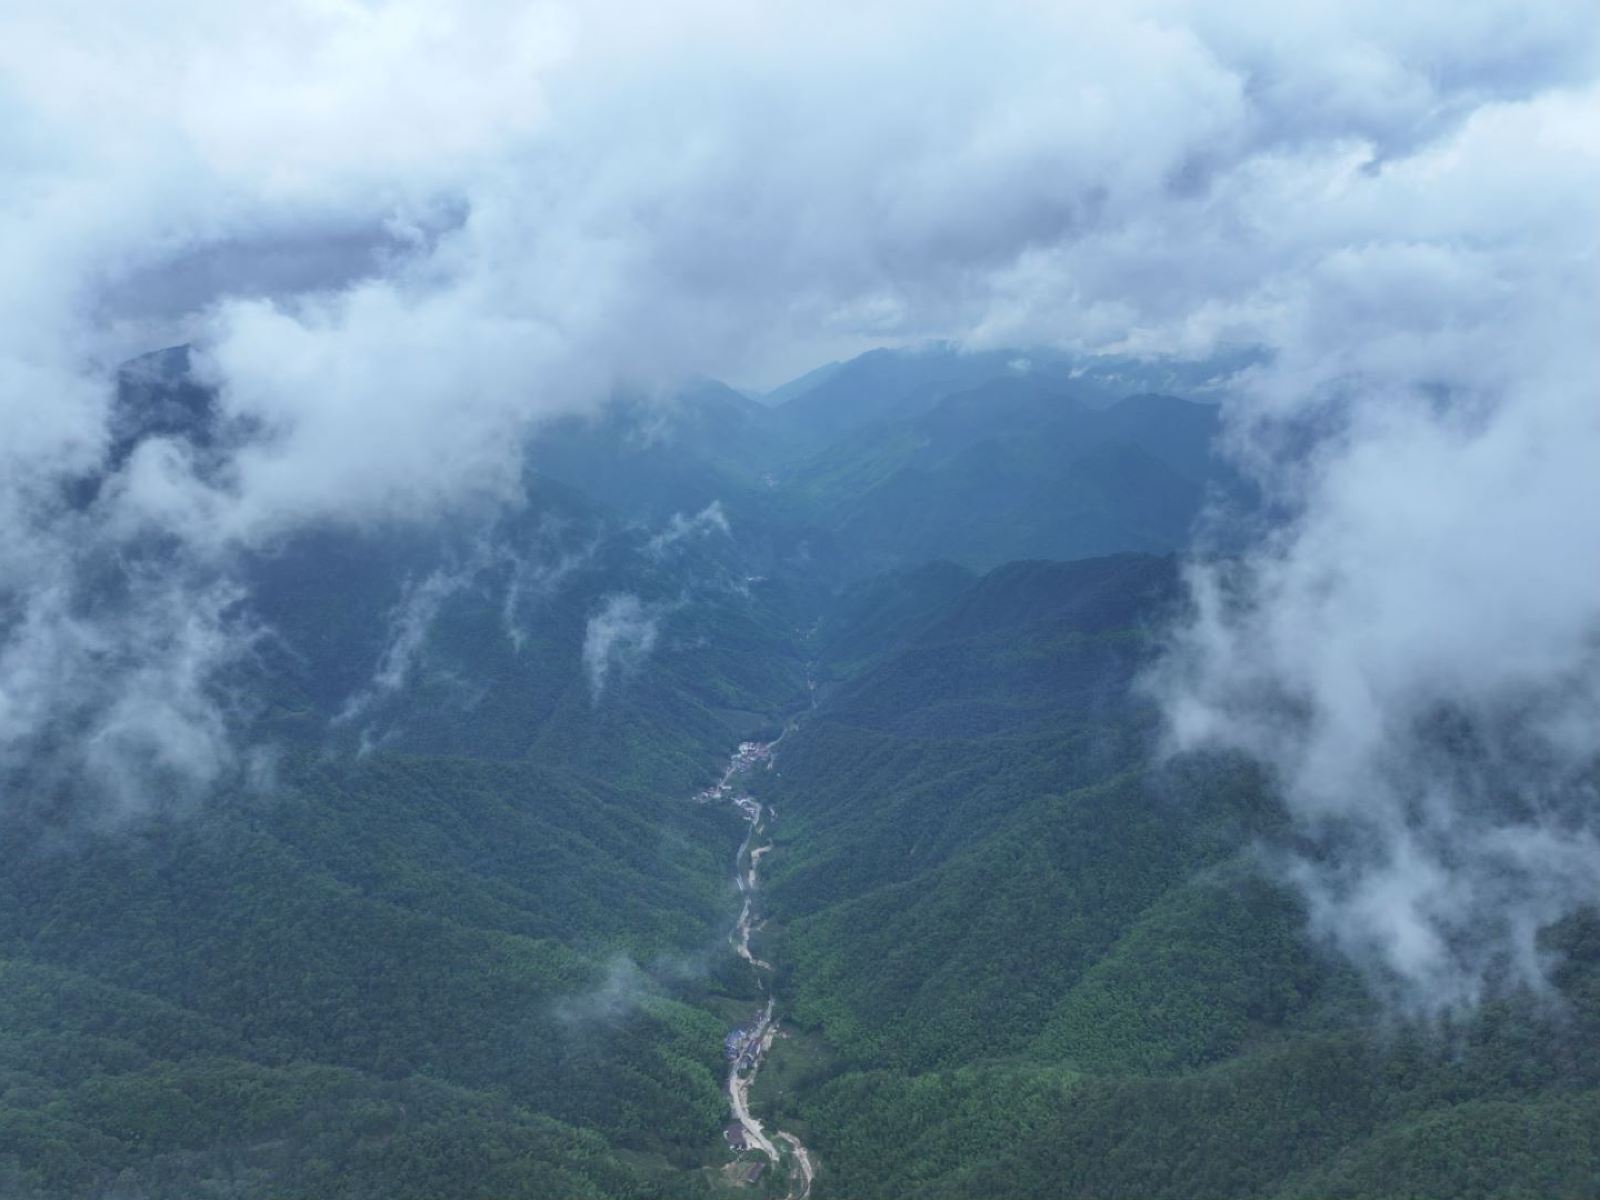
pixel 461 927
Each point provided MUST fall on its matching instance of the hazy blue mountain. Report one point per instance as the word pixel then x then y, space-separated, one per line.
pixel 1019 468
pixel 833 399
pixel 785 392
pixel 659 456
pixel 881 385
pixel 899 457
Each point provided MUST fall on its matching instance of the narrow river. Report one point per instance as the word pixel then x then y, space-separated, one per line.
pixel 749 1044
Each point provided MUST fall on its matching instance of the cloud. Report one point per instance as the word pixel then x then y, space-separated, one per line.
pixel 401 236
pixel 410 624
pixel 708 521
pixel 627 988
pixel 618 994
pixel 539 570
pixel 122 697
pixel 618 639
pixel 1416 651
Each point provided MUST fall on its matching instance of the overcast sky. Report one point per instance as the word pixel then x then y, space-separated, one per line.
pixel 402 233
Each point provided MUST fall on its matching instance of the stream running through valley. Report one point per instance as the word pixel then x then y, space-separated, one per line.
pixel 747 1046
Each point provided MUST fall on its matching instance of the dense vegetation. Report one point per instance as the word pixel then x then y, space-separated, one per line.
pixel 459 932
pixel 1048 968
pixel 453 934
pixel 379 976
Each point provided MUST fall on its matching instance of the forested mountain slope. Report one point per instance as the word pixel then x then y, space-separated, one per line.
pixel 386 980
pixel 1020 467
pixel 453 924
pixel 1047 966
pixel 449 929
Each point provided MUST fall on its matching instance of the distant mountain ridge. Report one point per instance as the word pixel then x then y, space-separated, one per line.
pixel 890 459
pixel 900 457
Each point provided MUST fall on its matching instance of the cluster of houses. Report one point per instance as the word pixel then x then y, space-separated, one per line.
pixel 750 1173
pixel 751 753
pixel 747 756
pixel 744 1044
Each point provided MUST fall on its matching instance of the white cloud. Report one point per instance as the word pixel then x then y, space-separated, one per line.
pixel 618 639
pixel 404 234
pixel 123 693
pixel 410 624
pixel 708 521
pixel 538 571
pixel 1417 654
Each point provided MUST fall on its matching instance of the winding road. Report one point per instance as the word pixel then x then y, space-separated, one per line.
pixel 749 1045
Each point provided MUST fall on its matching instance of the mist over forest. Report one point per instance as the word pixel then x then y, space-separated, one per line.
pixel 840 601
